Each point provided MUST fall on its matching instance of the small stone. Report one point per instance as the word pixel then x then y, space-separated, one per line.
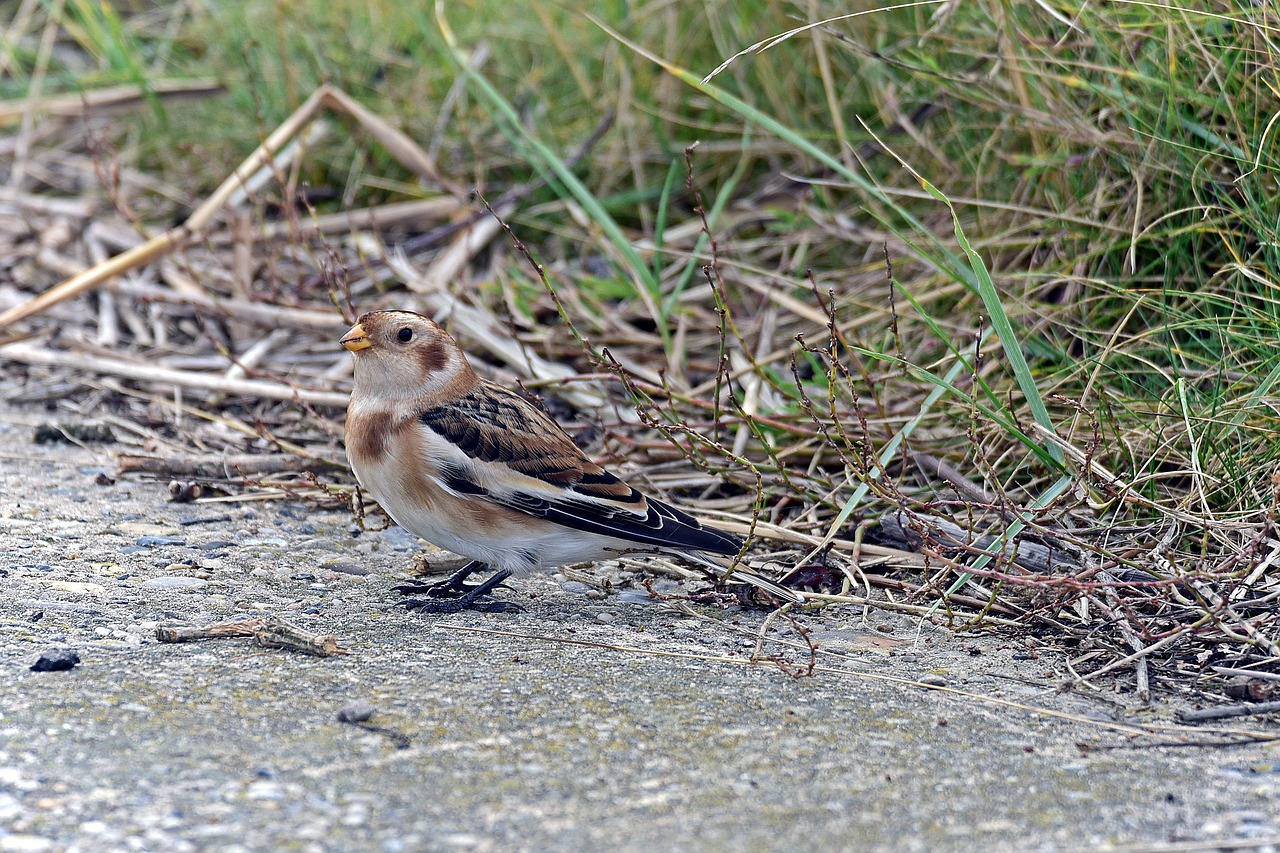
pixel 355 815
pixel 172 582
pixel 605 618
pixel 932 679
pixel 316 545
pixel 216 545
pixel 347 567
pixel 359 711
pixel 399 539
pixel 152 541
pixel 264 789
pixel 55 660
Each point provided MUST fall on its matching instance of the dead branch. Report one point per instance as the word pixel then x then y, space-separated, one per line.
pixel 30 354
pixel 221 467
pixel 895 528
pixel 407 152
pixel 270 632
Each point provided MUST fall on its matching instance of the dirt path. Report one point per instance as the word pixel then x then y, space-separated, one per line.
pixel 582 723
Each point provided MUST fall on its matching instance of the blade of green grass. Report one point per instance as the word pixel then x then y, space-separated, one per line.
pixel 940 255
pixel 999 320
pixel 647 285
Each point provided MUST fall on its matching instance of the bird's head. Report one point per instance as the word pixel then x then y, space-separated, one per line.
pixel 404 354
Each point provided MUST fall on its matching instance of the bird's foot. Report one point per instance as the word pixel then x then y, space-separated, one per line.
pixel 453 595
pixel 445 589
pixel 455 585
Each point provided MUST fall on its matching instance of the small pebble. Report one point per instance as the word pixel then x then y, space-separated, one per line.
pixel 172 582
pixel 399 538
pixel 55 660
pixel 358 711
pixel 635 596
pixel 348 567
pixel 264 789
pixel 605 618
pixel 188 520
pixel 215 545
pixel 316 545
pixel 932 680
pixel 150 541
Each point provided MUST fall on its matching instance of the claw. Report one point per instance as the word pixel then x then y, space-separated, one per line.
pixel 452 595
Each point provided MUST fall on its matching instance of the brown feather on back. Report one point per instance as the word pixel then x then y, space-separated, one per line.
pixel 495 424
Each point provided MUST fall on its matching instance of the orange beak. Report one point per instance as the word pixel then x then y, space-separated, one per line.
pixel 356 339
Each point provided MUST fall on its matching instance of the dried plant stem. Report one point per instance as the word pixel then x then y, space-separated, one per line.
pixel 397 144
pixel 270 632
pixel 29 354
pixel 112 97
pixel 220 467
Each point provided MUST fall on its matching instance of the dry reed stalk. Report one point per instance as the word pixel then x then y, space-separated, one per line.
pixel 99 100
pixel 407 152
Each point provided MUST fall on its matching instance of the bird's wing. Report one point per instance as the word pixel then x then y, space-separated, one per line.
pixel 500 447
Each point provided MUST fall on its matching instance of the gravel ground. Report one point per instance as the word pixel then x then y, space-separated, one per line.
pixel 584 722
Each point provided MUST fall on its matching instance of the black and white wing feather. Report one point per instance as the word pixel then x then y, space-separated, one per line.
pixel 513 454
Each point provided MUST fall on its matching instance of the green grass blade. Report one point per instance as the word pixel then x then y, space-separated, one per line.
pixel 640 273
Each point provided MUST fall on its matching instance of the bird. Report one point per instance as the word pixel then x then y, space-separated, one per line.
pixel 479 469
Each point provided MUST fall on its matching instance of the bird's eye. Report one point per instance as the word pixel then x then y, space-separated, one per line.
pixel 406 335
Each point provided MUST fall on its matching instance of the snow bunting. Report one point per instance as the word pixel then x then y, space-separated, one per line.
pixel 481 471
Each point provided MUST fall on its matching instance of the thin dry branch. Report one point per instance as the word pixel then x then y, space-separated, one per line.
pixel 397 144
pixel 221 467
pixel 270 632
pixel 30 354
pixel 99 100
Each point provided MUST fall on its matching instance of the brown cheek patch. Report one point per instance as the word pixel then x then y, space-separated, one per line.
pixel 432 356
pixel 368 436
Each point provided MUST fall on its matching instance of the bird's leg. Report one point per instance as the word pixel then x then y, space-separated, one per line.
pixel 450 587
pixel 464 596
